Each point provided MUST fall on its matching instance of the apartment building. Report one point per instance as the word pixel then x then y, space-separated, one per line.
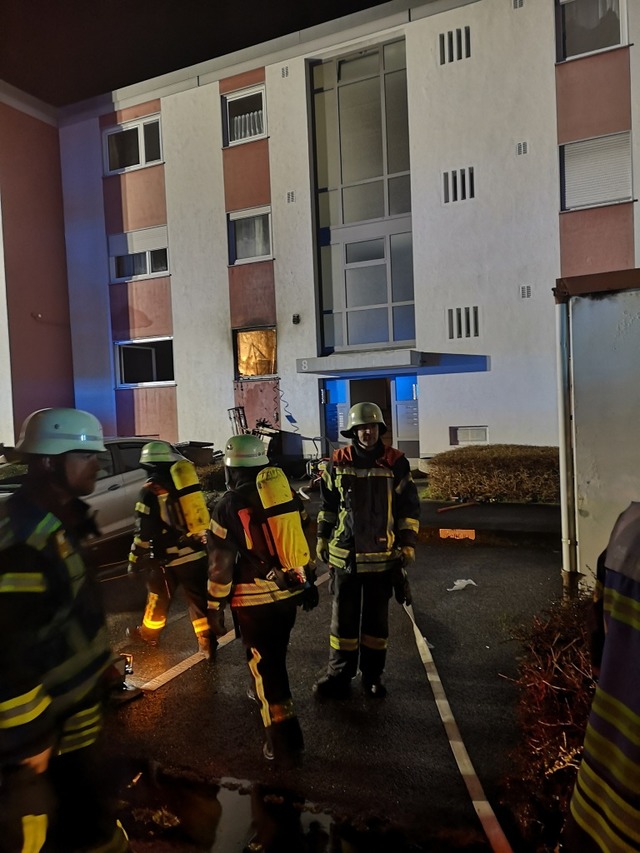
pixel 377 208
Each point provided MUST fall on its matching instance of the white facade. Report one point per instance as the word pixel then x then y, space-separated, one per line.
pixel 497 253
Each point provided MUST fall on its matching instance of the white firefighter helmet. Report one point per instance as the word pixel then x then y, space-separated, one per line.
pixel 361 414
pixel 51 432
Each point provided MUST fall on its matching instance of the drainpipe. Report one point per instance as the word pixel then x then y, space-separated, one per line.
pixel 570 573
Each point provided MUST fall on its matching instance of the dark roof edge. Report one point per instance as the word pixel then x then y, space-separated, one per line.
pixel 601 282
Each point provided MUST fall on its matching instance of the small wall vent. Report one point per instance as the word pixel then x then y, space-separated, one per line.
pixel 518 4
pixel 291 197
pixel 285 69
pixel 522 148
pixel 525 291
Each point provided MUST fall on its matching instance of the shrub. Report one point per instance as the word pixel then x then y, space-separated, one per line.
pixel 497 472
pixel 211 478
pixel 555 690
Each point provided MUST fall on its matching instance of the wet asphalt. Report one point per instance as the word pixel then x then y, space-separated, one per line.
pixel 377 774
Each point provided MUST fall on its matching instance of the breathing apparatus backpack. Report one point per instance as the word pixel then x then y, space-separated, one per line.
pixel 195 515
pixel 282 526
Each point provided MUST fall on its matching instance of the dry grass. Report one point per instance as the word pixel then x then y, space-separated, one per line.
pixel 512 473
pixel 555 689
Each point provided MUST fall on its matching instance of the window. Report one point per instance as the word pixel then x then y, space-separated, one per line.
pixel 132 146
pixel 368 294
pixel 463 322
pixel 584 26
pixel 255 351
pixel 249 235
pixel 139 265
pixel 468 435
pixel 243 116
pixel 363 196
pixel 596 171
pixel 106 465
pixel 143 362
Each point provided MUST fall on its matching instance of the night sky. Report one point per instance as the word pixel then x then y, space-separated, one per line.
pixel 63 51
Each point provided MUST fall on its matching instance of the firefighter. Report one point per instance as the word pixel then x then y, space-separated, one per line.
pixel 55 657
pixel 367 531
pixel 246 571
pixel 168 552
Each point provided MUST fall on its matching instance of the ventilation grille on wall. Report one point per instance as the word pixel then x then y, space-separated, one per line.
pixel 455 45
pixel 468 435
pixel 463 322
pixel 284 71
pixel 525 291
pixel 458 185
pixel 522 148
pixel 518 4
pixel 291 196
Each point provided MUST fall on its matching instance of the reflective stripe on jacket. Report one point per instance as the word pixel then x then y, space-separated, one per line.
pixel 370 509
pixel 239 551
pixel 54 645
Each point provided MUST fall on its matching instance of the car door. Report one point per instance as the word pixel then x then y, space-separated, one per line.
pixel 133 478
pixel 106 498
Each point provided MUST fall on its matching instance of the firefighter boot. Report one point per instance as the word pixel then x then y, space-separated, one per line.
pixel 332 687
pixel 374 687
pixel 286 743
pixel 207 647
pixel 142 633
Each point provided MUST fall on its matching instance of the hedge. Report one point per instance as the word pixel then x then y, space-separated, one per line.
pixel 513 473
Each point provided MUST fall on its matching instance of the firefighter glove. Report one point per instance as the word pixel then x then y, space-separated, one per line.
pixel 408 555
pixel 401 588
pixel 310 596
pixel 216 622
pixel 332 581
pixel 322 549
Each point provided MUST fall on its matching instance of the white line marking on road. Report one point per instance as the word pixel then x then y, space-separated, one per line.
pixel 489 821
pixel 179 668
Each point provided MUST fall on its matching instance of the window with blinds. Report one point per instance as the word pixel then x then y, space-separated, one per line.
pixel 596 171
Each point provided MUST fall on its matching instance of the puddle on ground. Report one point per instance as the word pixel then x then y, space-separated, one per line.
pixel 164 811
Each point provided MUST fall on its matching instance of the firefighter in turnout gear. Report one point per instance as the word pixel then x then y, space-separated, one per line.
pixel 55 659
pixel 166 548
pixel 367 531
pixel 255 537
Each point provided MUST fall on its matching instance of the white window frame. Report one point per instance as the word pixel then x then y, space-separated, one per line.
pixel 233 97
pixel 624 37
pixel 148 274
pixel 251 213
pixel 138 343
pixel 139 124
pixel 595 175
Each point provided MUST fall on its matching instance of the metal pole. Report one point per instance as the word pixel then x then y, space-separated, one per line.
pixel 570 573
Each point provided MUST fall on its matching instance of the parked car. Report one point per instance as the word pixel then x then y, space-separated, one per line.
pixel 120 479
pixel 119 482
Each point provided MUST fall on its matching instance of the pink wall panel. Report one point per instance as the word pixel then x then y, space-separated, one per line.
pixel 242 81
pixel 260 398
pixel 35 264
pixel 141 309
pixel 130 114
pixel 252 295
pixel 135 200
pixel 593 96
pixel 246 175
pixel 148 412
pixel 596 240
